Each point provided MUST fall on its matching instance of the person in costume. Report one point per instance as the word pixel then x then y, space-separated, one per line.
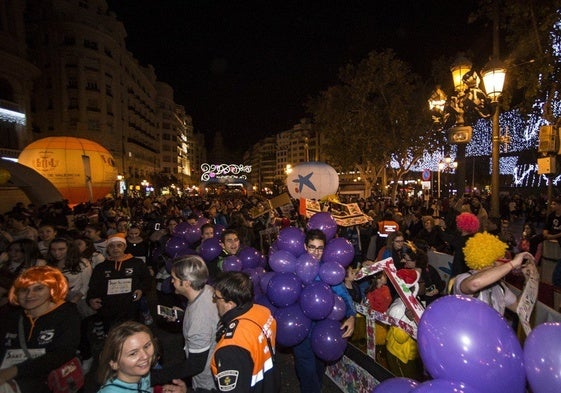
pixel 46 325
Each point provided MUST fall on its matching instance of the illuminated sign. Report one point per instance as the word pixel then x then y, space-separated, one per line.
pixel 12 116
pixel 224 172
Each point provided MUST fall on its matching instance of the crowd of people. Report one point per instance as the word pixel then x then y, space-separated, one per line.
pixel 85 275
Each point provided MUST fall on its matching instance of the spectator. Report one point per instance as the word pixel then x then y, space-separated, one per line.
pixel 531 242
pixel 20 255
pixel 46 232
pixel 94 232
pixel 87 250
pixel 230 242
pixel 484 280
pixel 432 236
pixel 118 284
pixel 430 283
pixel 65 256
pixel 19 228
pixel 309 368
pixel 351 285
pixel 51 329
pixel 128 354
pixel 468 225
pixel 189 278
pixel 506 236
pixel 243 360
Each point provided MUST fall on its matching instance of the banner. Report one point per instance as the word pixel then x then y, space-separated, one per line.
pixel 344 214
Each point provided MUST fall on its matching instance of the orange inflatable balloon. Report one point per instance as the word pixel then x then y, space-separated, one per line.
pixel 79 168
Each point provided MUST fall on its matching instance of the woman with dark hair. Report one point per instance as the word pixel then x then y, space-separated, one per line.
pixel 430 284
pixel 394 249
pixel 87 250
pixel 20 255
pixel 65 256
pixel 50 328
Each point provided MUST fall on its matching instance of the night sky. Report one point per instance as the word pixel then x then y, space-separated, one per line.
pixel 246 68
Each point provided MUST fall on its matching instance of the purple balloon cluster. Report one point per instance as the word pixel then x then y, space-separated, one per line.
pixel 467 347
pixel 298 290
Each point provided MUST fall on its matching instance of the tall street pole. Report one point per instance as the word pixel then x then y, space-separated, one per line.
pixel 496 140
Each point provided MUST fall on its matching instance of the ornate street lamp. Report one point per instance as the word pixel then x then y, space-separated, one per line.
pixel 468 103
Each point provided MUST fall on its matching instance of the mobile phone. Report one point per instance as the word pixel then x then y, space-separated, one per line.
pixel 169 312
pixel 134 296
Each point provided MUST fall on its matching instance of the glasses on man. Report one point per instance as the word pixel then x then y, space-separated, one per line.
pixel 312 248
pixel 215 297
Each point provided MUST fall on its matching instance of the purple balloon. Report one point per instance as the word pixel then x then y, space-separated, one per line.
pixel 264 301
pixel 324 222
pixel 284 289
pixel 444 386
pixel 453 346
pixel 317 300
pixel 339 250
pixel 274 248
pixel 174 244
pixel 291 239
pixel 263 261
pixel 327 340
pixel 192 234
pixel 255 276
pixel 184 252
pixel 542 358
pixel 396 385
pixel 292 325
pixel 307 268
pixel 181 228
pixel 218 229
pixel 210 249
pixel 202 221
pixel 331 273
pixel 339 309
pixel 283 262
pixel 232 264
pixel 250 257
pixel 264 282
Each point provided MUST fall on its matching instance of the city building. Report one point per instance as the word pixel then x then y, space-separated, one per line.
pixel 16 79
pixel 68 71
pixel 263 160
pixel 299 144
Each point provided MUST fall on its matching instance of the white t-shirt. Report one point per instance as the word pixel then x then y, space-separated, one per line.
pixel 496 295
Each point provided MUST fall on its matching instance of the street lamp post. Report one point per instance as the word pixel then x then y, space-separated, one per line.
pixel 450 113
pixel 445 164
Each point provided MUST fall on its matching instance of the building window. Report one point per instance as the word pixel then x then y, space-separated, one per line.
pixel 69 40
pixel 90 44
pixel 93 105
pixel 93 125
pixel 72 83
pixel 92 85
pixel 72 103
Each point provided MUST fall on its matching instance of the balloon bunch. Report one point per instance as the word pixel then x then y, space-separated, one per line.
pixel 467 347
pixel 184 236
pixel 298 290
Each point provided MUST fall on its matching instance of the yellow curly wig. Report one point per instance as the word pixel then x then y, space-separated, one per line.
pixel 482 250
